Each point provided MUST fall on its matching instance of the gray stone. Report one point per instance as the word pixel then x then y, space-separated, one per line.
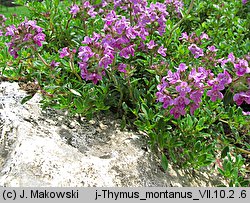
pixel 46 148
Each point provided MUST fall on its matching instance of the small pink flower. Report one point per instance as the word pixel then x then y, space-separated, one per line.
pixel 212 48
pixel 204 36
pixel 122 68
pixel 162 51
pixel 182 67
pixel 151 44
pixel 54 64
pixel 244 1
pixel 74 10
pixel 214 95
pixel 184 36
pixel 64 52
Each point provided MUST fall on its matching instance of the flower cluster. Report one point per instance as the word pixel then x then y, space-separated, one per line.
pixel 27 34
pixel 242 82
pixel 176 5
pixel 86 7
pixel 208 57
pixel 120 37
pixel 183 89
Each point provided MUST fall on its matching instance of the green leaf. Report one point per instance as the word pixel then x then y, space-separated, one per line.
pixel 228 167
pixel 144 111
pixel 197 146
pixel 27 98
pixel 200 124
pixel 202 158
pixel 189 121
pixel 173 157
pixel 224 152
pixel 97 1
pixel 228 98
pixel 230 112
pixel 164 162
pixel 221 171
pixel 75 92
pixel 123 123
pixel 235 173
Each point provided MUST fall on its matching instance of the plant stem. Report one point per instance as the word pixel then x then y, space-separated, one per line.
pixel 67 25
pixel 71 64
pixel 178 24
pixel 42 59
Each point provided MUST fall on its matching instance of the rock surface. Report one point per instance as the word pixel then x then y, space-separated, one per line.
pixel 47 148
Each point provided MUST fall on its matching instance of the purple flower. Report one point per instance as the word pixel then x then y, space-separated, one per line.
pixel 131 33
pixel 183 88
pixel 85 53
pixel 214 94
pixel 64 52
pixel 161 87
pixel 2 18
pixel 122 67
pixel 74 10
pixel 239 98
pixel 95 77
pixel 120 26
pixel 182 67
pixel 54 64
pixel 151 44
pixel 196 51
pixel 199 75
pixel 177 112
pixel 223 61
pixel 162 51
pixel 12 49
pixel 110 18
pixel 11 30
pixel 96 37
pixel 242 67
pixel 246 113
pixel 244 1
pixel 86 4
pixel 184 36
pixel 89 76
pixel 39 38
pixel 224 78
pixel 212 48
pixel 173 77
pixel 231 57
pixel 28 34
pixel 87 40
pixel 216 84
pixel 125 52
pixel 27 37
pixel 167 101
pixel 106 60
pixel 196 96
pixel 92 13
pixel 204 36
pixel 143 33
pixel 181 101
